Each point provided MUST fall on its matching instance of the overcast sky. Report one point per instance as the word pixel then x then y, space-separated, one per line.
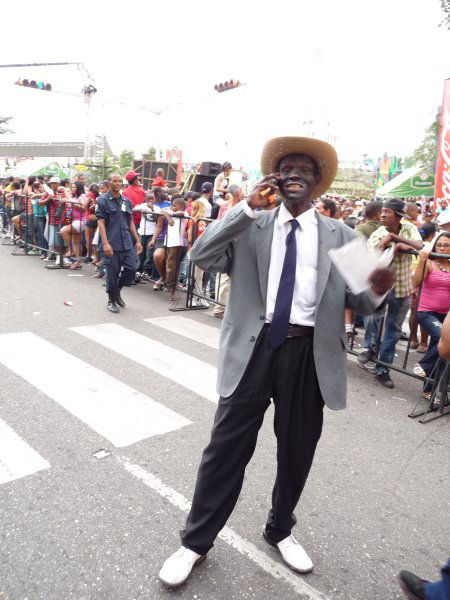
pixel 369 73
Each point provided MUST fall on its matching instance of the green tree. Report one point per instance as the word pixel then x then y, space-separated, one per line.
pixel 425 155
pixel 5 121
pixel 126 159
pixel 150 154
pixel 104 168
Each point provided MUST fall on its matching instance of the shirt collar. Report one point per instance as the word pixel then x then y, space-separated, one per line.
pixel 111 196
pixel 304 220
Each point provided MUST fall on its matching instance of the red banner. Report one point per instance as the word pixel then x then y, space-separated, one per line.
pixel 442 189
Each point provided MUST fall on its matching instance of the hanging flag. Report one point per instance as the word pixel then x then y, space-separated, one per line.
pixel 442 189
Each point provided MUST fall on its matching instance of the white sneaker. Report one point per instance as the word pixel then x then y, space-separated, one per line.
pixel 178 567
pixel 201 302
pixel 293 554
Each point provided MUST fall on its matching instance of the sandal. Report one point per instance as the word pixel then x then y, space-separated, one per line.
pixel 75 266
pixel 422 349
pixel 159 286
pixel 419 371
pixel 414 345
pixel 426 395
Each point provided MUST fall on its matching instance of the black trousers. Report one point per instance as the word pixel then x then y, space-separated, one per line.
pixel 120 269
pixel 287 375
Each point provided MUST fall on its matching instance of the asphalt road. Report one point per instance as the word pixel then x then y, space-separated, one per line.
pixel 88 528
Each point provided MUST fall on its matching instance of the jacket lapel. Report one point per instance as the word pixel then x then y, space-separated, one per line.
pixel 263 244
pixel 327 240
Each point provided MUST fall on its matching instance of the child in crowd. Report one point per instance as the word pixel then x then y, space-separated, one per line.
pixel 175 242
pixel 198 213
pixel 146 230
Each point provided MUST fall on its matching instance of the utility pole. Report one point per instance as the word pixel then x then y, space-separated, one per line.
pixel 87 92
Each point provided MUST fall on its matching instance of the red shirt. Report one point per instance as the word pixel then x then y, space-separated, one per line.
pixel 136 195
pixel 159 182
pixel 52 207
pixel 91 206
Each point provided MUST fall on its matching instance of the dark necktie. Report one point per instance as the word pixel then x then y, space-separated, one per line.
pixel 283 303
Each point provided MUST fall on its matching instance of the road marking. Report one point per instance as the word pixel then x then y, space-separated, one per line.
pixel 186 370
pixel 244 547
pixel 199 332
pixel 116 411
pixel 205 334
pixel 17 458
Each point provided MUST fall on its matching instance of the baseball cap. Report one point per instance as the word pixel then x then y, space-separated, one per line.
pixel 207 187
pixel 444 218
pixel 54 180
pixel 397 205
pixel 131 175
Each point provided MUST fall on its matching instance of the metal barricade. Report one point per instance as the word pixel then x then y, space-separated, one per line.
pixel 29 238
pixel 403 367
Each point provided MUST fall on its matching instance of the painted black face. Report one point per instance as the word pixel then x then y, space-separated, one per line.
pixel 298 176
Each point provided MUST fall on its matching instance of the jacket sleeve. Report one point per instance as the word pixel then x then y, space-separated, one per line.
pixel 364 303
pixel 212 251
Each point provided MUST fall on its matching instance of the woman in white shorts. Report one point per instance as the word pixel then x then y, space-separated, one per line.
pixel 75 219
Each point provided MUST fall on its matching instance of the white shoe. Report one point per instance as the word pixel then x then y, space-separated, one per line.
pixel 178 567
pixel 419 371
pixel 293 554
pixel 202 303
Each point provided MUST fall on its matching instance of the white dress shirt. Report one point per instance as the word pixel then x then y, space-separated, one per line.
pixel 303 310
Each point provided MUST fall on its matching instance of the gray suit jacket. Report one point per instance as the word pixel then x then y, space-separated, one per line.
pixel 240 246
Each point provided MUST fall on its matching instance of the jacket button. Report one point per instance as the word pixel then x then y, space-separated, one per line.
pixel 262 317
pixel 252 339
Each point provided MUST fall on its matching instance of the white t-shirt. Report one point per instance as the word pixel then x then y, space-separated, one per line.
pixel 175 233
pixel 207 205
pixel 147 225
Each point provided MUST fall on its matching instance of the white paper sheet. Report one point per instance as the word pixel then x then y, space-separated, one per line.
pixel 355 262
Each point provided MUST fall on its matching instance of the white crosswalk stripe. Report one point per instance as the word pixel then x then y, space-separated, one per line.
pixel 199 332
pixel 116 411
pixel 17 458
pixel 111 408
pixel 184 369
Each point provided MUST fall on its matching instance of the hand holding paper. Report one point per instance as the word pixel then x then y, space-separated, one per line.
pixel 362 269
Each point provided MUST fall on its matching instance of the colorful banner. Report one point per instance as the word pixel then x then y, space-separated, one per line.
pixel 442 189
pixel 386 169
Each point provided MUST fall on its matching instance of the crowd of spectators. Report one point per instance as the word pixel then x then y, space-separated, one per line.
pixel 56 218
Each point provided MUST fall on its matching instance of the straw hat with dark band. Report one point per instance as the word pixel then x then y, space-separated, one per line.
pixel 322 153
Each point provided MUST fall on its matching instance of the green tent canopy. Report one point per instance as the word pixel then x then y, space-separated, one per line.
pixel 415 181
pixel 53 170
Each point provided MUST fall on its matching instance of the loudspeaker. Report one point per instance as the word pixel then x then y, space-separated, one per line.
pixel 199 181
pixel 210 168
pixel 147 172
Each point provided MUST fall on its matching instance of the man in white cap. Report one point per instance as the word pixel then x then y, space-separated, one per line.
pixel 444 221
pixel 282 338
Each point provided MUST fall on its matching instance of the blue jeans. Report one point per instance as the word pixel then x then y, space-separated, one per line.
pixel 440 590
pixel 39 228
pixel 145 258
pixel 396 313
pixel 183 269
pixel 432 323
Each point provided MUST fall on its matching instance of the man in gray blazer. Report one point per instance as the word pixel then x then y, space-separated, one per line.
pixel 283 338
